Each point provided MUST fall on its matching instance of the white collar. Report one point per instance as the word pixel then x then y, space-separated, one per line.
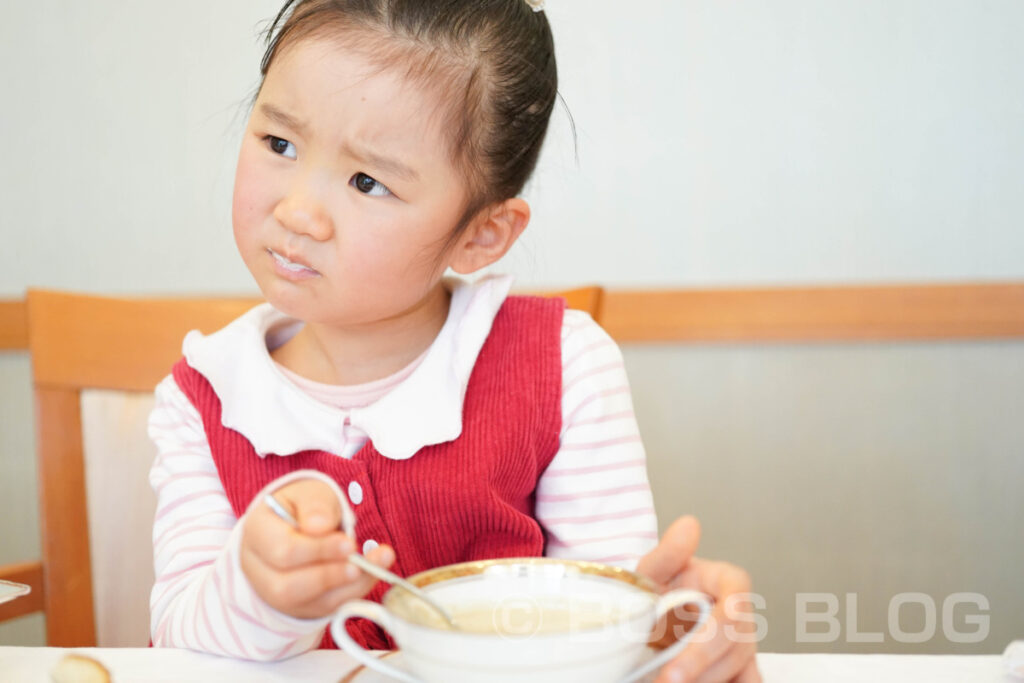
pixel 278 417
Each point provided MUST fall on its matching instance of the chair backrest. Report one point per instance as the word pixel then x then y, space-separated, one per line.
pixel 80 344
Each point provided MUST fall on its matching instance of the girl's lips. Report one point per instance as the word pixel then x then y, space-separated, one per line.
pixel 291 270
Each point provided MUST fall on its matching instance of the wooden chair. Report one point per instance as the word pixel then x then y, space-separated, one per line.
pixel 82 343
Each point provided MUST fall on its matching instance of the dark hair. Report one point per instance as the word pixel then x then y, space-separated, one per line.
pixel 494 59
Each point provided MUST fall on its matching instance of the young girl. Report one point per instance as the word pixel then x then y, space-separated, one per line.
pixel 387 144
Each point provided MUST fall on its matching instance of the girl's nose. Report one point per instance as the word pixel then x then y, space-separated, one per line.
pixel 302 214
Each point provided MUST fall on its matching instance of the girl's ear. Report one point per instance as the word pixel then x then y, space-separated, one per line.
pixel 490 234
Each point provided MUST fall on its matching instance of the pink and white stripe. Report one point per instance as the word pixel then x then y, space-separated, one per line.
pixel 594 502
pixel 201 599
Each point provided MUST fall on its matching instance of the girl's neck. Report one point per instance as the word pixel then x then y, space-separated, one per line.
pixel 356 355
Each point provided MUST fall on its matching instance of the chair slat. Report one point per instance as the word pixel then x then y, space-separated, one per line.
pixel 127 344
pixel 68 577
pixel 843 314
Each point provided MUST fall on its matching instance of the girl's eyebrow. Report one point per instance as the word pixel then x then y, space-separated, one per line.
pixel 384 163
pixel 282 118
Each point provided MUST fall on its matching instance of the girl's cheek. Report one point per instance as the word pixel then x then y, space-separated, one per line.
pixel 252 200
pixel 243 208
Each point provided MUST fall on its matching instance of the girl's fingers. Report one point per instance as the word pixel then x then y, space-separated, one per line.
pixel 700 575
pixel 308 550
pixel 699 656
pixel 303 572
pixel 313 590
pixel 313 504
pixel 282 547
pixel 723 579
pixel 673 552
pixel 329 602
pixel 723 656
pixel 382 556
pixel 286 590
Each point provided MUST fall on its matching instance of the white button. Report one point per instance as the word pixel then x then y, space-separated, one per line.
pixel 369 545
pixel 355 493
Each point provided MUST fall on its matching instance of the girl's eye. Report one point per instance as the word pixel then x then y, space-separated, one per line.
pixel 280 146
pixel 368 185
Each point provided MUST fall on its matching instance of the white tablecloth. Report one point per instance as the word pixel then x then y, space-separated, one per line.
pixel 127 665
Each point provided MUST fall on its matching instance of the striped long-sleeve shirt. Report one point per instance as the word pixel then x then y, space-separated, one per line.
pixel 593 501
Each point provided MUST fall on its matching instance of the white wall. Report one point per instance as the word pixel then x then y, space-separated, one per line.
pixel 719 143
pixel 787 141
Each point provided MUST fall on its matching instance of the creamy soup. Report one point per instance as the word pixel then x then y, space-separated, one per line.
pixel 522 617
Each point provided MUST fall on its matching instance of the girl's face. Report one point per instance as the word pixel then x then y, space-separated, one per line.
pixel 345 192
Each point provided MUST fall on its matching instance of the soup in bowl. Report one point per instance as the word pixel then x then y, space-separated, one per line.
pixel 535 619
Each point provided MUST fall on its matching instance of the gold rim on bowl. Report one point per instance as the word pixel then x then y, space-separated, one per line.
pixel 462 570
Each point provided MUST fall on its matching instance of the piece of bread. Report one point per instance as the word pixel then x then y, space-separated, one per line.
pixel 79 669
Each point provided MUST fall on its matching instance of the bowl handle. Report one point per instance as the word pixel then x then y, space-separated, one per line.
pixel 666 602
pixel 376 613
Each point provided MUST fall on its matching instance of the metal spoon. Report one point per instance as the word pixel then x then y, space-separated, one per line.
pixel 369 567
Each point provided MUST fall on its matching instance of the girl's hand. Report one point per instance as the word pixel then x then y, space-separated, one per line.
pixel 723 650
pixel 303 572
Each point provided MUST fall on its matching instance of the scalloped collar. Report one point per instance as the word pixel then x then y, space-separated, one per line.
pixel 277 417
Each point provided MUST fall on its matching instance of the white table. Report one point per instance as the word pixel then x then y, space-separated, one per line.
pixel 27 664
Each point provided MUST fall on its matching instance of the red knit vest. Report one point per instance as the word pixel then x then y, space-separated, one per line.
pixel 467 499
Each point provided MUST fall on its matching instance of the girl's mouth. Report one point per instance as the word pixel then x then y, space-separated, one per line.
pixel 290 269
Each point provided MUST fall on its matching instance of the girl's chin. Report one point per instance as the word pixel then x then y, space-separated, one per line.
pixel 302 305
pixel 288 298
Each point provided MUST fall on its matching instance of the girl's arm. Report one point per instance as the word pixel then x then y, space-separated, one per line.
pixel 201 600
pixel 594 500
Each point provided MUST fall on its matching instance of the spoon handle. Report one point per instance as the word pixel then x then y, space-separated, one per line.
pixel 280 510
pixel 396 580
pixel 367 566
